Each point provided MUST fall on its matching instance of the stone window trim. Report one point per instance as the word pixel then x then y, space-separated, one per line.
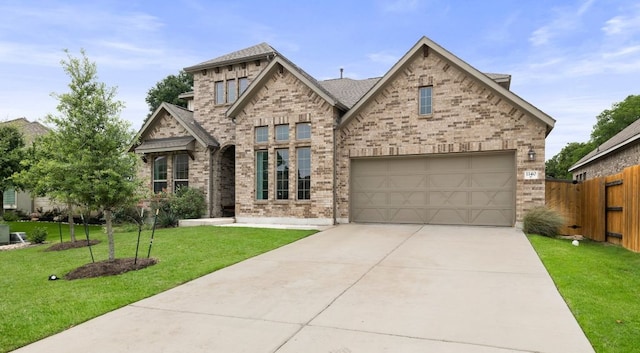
pixel 425 101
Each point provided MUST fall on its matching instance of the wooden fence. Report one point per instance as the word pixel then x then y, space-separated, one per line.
pixel 602 209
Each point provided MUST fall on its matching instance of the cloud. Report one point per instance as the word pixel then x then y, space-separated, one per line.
pixel 564 21
pixel 625 25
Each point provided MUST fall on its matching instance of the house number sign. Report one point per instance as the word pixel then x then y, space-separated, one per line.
pixel 530 174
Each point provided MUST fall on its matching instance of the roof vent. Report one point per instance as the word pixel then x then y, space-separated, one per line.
pixel 341 71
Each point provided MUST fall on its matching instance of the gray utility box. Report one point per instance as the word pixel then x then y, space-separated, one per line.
pixel 4 234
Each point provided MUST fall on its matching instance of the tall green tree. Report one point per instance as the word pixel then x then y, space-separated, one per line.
pixel 558 166
pixel 85 156
pixel 612 121
pixel 11 154
pixel 168 90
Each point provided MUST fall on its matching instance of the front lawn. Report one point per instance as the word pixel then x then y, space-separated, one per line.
pixel 32 307
pixel 601 284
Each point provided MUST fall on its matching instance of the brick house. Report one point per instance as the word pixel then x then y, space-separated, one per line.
pixel 24 201
pixel 434 140
pixel 615 154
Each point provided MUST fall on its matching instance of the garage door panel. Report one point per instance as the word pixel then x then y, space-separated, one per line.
pixel 491 217
pixel 410 181
pixel 502 179
pixel 407 215
pixel 407 198
pixel 475 189
pixel 489 199
pixel 451 180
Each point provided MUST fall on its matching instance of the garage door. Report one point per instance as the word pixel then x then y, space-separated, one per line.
pixel 471 189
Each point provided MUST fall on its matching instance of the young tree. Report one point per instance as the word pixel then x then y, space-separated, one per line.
pixel 11 153
pixel 168 91
pixel 87 162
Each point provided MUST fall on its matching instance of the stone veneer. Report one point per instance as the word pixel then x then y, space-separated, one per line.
pixel 285 100
pixel 467 117
pixel 613 163
pixel 165 127
pixel 211 117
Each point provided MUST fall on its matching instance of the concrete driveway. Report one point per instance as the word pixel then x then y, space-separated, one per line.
pixel 353 288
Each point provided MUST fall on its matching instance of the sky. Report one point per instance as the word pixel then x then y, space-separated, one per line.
pixel 572 59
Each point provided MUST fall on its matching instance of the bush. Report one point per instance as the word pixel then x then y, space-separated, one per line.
pixel 188 203
pixel 10 216
pixel 38 235
pixel 542 221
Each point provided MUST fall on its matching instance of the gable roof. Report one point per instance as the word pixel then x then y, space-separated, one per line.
pixel 256 52
pixel 626 137
pixel 276 64
pixel 462 65
pixel 185 119
pixel 30 130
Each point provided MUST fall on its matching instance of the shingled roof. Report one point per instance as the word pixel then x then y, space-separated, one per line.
pixel 624 138
pixel 347 90
pixel 256 52
pixel 30 130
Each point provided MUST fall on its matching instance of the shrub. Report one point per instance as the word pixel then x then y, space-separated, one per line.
pixel 38 235
pixel 188 203
pixel 542 221
pixel 10 216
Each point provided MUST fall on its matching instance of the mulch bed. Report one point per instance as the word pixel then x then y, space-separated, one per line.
pixel 109 268
pixel 71 245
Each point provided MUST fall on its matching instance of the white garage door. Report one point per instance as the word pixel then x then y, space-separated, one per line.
pixel 470 189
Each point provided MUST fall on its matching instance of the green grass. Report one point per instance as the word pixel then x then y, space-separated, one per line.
pixel 601 285
pixel 32 307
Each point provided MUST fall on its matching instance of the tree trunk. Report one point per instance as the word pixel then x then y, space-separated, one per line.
pixel 112 248
pixel 2 208
pixel 72 229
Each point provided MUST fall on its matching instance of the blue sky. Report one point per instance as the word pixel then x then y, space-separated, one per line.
pixel 570 58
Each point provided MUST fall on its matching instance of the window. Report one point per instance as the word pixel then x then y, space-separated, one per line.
pixel 304 173
pixel 425 100
pixel 282 132
pixel 159 174
pixel 180 171
pixel 219 92
pixel 231 91
pixel 243 83
pixel 282 174
pixel 262 134
pixel 262 175
pixel 303 131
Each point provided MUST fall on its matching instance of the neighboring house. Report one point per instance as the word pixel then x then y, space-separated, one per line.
pixel 432 141
pixel 615 154
pixel 23 200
